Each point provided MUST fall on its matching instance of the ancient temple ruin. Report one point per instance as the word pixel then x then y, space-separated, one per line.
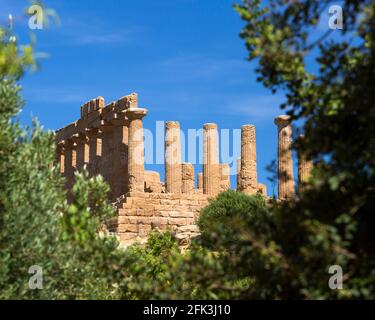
pixel 109 140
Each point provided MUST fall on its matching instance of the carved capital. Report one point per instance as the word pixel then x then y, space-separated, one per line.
pixel 90 132
pixel 60 146
pixel 208 126
pixel 282 121
pixel 79 138
pixel 135 113
pixel 172 125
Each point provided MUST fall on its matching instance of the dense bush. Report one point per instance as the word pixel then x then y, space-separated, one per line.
pixel 37 225
pixel 225 218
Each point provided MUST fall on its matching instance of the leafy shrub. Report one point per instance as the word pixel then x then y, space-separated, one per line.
pixel 225 218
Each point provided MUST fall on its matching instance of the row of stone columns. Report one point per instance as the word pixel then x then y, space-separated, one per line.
pixel 247 165
pixel 180 177
pixel 102 150
pixel 85 148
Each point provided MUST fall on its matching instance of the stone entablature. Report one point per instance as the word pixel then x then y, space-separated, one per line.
pixel 108 140
pixel 99 140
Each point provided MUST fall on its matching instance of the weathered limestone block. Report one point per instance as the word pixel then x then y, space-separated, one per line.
pixel 173 169
pixel 159 222
pixel 139 214
pixel 128 228
pixel 186 233
pixel 180 221
pixel 92 106
pixel 152 182
pixel 211 166
pixel 123 237
pixel 248 170
pixel 187 178
pixel 285 161
pixel 224 177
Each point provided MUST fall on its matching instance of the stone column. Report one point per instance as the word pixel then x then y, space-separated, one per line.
pixel 74 157
pixel 285 161
pixel 211 166
pixel 304 170
pixel 200 181
pixel 187 178
pixel 248 172
pixel 106 163
pixel 69 162
pixel 136 152
pixel 238 181
pixel 82 151
pixel 152 182
pixel 94 151
pixel 172 157
pixel 224 176
pixel 120 157
pixel 60 156
pixel 68 159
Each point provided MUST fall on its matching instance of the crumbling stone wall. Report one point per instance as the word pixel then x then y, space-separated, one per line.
pixel 139 213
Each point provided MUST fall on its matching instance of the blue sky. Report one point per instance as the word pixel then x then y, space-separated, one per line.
pixel 184 58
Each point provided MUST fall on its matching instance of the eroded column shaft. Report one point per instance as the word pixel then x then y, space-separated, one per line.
pixel 224 176
pixel 70 162
pixel 120 157
pixel 304 171
pixel 285 162
pixel 82 152
pixel 60 156
pixel 187 178
pixel 248 170
pixel 106 163
pixel 211 166
pixel 136 149
pixel 95 152
pixel 173 178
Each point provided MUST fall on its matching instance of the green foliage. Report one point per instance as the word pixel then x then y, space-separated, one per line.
pixel 37 225
pixel 248 248
pixel 334 221
pixel 220 264
pixel 148 265
pixel 284 251
pixel 223 220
